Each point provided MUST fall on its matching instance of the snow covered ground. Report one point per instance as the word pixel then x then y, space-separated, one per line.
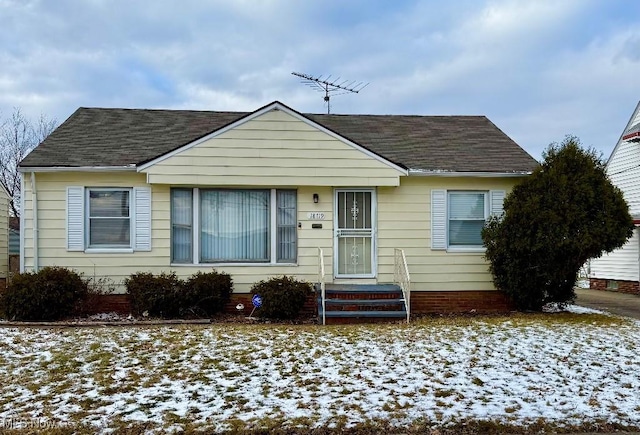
pixel 568 368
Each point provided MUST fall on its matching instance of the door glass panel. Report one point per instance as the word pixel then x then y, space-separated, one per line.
pixel 354 233
pixel 354 255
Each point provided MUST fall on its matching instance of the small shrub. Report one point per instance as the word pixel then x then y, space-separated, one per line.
pixel 49 294
pixel 207 293
pixel 282 297
pixel 157 295
pixel 97 288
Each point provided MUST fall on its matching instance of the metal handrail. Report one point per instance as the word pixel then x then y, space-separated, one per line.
pixel 321 275
pixel 402 278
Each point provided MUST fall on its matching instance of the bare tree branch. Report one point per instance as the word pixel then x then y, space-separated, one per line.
pixel 18 136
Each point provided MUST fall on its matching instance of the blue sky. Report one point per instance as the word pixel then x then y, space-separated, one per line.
pixel 538 69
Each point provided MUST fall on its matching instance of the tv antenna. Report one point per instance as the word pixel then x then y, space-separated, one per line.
pixel 331 87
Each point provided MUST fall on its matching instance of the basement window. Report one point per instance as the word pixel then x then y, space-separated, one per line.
pixel 612 285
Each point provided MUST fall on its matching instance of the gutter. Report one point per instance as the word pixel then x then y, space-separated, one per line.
pixel 36 231
pixel 131 167
pixel 442 173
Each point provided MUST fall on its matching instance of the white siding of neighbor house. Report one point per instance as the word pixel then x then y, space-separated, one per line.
pixel 273 149
pixel 404 221
pixel 623 169
pixel 4 234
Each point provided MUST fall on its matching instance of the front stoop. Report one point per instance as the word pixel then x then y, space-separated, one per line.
pixel 361 303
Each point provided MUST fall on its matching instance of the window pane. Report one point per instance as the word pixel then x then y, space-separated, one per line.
pixel 234 225
pixel 109 222
pixel 465 233
pixel 286 222
pixel 466 218
pixel 181 225
pixel 109 232
pixel 108 203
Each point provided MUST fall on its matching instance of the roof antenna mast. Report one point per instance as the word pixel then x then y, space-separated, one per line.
pixel 330 87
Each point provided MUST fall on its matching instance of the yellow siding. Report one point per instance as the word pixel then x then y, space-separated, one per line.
pixel 4 234
pixel 274 149
pixel 403 222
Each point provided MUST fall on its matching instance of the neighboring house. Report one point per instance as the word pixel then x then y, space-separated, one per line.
pixel 115 191
pixel 620 270
pixel 4 237
pixel 14 244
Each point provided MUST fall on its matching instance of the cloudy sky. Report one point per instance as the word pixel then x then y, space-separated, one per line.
pixel 538 69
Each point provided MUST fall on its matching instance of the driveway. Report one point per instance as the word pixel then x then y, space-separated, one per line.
pixel 616 303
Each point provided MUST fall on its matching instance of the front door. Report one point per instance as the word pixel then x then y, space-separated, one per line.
pixel 355 224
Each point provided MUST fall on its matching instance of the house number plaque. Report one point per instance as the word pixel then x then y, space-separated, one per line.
pixel 315 216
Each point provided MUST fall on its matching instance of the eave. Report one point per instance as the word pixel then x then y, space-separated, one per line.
pixel 444 173
pixel 131 168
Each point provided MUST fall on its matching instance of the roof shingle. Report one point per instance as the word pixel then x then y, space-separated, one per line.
pixel 124 137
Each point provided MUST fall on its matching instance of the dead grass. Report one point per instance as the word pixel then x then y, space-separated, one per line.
pixel 308 379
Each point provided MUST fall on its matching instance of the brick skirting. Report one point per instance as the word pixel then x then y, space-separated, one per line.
pixel 428 302
pixel 435 302
pixel 611 284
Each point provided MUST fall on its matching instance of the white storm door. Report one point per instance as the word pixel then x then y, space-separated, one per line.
pixel 355 229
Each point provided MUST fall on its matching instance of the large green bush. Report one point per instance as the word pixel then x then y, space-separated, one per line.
pixel 565 213
pixel 167 296
pixel 52 293
pixel 282 297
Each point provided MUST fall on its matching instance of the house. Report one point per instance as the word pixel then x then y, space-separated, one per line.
pixel 14 244
pixel 620 270
pixel 4 237
pixel 117 191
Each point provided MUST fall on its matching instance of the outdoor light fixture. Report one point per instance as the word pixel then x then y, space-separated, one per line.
pixel 316 198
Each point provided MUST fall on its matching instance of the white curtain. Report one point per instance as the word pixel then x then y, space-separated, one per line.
pixel 234 225
pixel 286 223
pixel 181 225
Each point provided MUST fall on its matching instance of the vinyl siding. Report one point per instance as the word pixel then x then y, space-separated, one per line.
pixel 624 172
pixel 404 221
pixel 622 264
pixel 274 149
pixel 404 215
pixel 4 234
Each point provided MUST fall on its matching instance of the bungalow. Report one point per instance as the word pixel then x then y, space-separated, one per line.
pixel 620 270
pixel 112 192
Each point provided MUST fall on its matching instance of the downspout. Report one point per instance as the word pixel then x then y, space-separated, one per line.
pixel 36 230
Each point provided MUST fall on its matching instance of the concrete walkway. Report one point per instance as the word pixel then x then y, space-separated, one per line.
pixel 616 303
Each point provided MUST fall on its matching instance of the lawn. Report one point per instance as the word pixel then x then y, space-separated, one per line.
pixel 563 370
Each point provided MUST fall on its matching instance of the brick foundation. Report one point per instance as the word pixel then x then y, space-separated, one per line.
pixel 630 287
pixel 431 302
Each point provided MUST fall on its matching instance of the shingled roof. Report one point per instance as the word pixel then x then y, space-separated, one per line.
pixel 131 137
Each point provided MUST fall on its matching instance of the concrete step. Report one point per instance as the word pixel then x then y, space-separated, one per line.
pixel 363 314
pixel 362 301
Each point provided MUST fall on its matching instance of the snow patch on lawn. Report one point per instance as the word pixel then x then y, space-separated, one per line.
pixel 508 369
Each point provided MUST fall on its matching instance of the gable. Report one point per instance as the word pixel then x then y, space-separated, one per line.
pixel 274 147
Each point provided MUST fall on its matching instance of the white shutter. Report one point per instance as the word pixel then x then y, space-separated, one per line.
pixel 496 202
pixel 142 227
pixel 75 218
pixel 439 219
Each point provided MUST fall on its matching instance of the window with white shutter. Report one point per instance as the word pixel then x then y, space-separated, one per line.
pixel 108 218
pixel 457 217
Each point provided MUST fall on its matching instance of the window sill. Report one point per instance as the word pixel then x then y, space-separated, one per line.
pixel 108 251
pixel 233 264
pixel 468 250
